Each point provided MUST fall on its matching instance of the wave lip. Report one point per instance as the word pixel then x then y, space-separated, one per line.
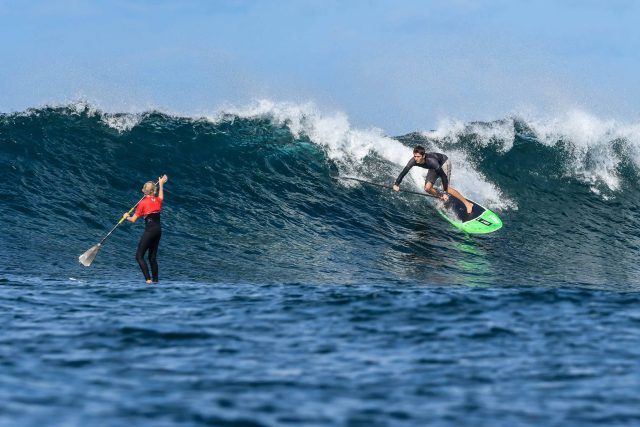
pixel 594 151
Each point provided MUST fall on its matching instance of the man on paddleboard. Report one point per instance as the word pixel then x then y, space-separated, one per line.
pixel 149 208
pixel 439 166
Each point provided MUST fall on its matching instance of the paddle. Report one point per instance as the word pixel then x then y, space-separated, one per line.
pixel 87 258
pixel 384 186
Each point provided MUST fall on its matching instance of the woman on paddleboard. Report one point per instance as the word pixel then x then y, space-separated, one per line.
pixel 149 208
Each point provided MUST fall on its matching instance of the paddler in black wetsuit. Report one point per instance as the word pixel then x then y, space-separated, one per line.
pixel 439 166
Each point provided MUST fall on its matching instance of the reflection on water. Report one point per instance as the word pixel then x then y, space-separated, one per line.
pixel 441 259
pixel 474 269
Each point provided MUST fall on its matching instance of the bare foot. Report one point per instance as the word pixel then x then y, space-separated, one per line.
pixel 148 282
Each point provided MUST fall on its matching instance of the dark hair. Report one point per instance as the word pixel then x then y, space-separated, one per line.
pixel 419 149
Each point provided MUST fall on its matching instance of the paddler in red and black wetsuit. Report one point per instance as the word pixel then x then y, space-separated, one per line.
pixel 149 208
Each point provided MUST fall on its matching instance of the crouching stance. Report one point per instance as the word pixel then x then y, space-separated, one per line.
pixel 439 167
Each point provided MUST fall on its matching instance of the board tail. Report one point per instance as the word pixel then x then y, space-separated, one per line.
pixel 480 221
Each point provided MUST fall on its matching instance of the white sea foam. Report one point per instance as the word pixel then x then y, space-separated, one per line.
pixel 592 141
pixel 122 122
pixel 81 106
pixel 589 141
pixel 465 177
pixel 348 146
pixel 500 133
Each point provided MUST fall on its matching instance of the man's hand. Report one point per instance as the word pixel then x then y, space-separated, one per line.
pixel 163 179
pixel 396 187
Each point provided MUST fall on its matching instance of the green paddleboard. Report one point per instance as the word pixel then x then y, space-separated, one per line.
pixel 480 221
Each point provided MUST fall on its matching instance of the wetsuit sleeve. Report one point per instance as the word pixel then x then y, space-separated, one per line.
pixel 140 209
pixel 443 178
pixel 400 177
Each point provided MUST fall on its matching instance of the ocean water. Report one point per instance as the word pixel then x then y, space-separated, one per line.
pixel 290 298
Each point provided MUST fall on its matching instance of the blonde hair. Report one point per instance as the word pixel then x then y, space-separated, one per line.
pixel 149 188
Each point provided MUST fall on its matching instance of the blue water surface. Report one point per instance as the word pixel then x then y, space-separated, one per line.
pixel 287 298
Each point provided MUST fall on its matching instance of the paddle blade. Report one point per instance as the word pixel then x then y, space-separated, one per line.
pixel 87 258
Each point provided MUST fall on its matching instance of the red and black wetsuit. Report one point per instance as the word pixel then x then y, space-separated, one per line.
pixel 149 208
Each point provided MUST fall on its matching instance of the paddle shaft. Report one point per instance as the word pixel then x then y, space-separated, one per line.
pixel 386 186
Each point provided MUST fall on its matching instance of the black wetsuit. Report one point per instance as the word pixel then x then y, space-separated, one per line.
pixel 150 241
pixel 432 161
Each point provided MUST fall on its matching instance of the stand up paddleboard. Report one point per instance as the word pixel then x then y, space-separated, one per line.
pixel 480 221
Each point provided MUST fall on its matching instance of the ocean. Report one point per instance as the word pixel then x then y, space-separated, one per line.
pixel 288 297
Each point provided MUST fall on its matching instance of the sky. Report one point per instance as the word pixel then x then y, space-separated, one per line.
pixel 399 65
